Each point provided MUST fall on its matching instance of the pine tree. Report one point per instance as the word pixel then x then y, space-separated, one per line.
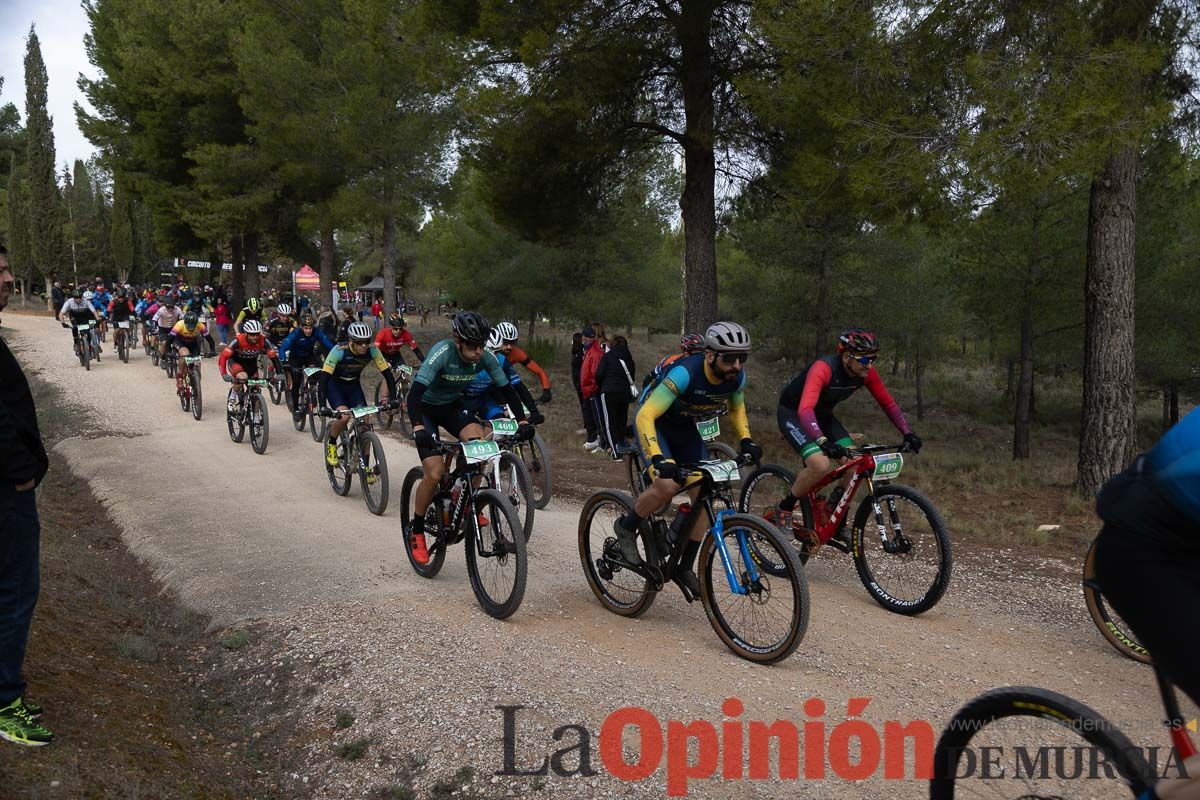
pixel 45 221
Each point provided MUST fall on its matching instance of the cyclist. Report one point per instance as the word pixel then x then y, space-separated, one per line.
pixel 185 340
pixel 509 335
pixel 340 385
pixel 696 387
pixel 253 311
pixel 278 326
pixel 1148 551
pixel 481 397
pixel 100 299
pixel 392 339
pixel 239 359
pixel 77 311
pixel 689 344
pixel 165 318
pixel 806 420
pixel 298 350
pixel 120 309
pixel 435 400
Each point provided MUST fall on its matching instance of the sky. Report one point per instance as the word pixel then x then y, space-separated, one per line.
pixel 61 25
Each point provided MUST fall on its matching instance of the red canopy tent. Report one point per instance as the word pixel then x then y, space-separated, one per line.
pixel 306 279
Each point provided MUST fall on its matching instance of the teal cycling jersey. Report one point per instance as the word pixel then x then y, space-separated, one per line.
pixel 343 365
pixel 445 375
pixel 1175 462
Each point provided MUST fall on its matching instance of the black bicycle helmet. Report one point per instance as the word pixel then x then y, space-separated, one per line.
pixel 397 321
pixel 858 340
pixel 191 319
pixel 471 327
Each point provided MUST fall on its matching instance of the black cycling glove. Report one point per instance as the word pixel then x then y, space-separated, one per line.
pixel 913 441
pixel 749 448
pixel 832 448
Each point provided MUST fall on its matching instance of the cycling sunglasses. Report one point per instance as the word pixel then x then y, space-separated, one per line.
pixel 731 358
pixel 866 361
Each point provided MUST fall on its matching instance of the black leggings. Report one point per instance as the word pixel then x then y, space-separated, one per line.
pixel 1148 565
pixel 615 408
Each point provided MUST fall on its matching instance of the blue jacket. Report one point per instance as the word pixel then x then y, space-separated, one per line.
pixel 303 345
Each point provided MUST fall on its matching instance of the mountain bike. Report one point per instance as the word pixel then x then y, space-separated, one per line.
pixel 147 339
pixel 909 568
pixel 508 474
pixel 308 402
pixel 189 391
pixel 536 458
pixel 170 361
pixel 86 346
pixel 1074 742
pixel 760 616
pixel 276 381
pixel 360 452
pixel 1111 626
pixel 122 338
pixel 495 548
pixel 247 409
pixel 403 375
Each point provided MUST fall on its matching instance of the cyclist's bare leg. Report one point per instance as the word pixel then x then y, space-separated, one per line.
pixel 816 467
pixel 657 495
pixel 435 468
pixel 339 424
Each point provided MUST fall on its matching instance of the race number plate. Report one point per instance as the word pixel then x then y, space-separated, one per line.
pixel 256 382
pixel 504 427
pixel 87 326
pixel 888 466
pixel 709 429
pixel 123 325
pixel 722 471
pixel 191 359
pixel 310 371
pixel 365 411
pixel 405 369
pixel 480 451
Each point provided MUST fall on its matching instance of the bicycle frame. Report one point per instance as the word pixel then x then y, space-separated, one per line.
pixel 862 465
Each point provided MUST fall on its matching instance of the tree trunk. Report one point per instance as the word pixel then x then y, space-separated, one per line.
pixel 823 313
pixel 250 253
pixel 1023 413
pixel 895 361
pixel 389 264
pixel 697 202
pixel 1174 385
pixel 237 277
pixel 1166 406
pixel 327 258
pixel 1108 440
pixel 50 295
pixel 532 321
pixel 1012 379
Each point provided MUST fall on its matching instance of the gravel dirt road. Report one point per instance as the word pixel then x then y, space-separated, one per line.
pixel 343 623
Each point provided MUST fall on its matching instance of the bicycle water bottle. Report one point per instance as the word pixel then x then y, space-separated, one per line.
pixel 676 529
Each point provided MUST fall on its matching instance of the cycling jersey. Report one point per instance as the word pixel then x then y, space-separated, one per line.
pixel 688 393
pixel 1175 465
pixel 166 318
pixel 278 328
pixel 661 368
pixel 185 335
pixel 243 351
pixel 390 344
pixel 445 375
pixel 518 356
pixel 246 314
pixel 814 392
pixel 79 311
pixel 343 365
pixel 120 310
pixel 298 347
pixel 482 384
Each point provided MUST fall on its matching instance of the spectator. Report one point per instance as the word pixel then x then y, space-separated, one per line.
pixel 223 320
pixel 24 463
pixel 614 374
pixel 593 351
pixel 57 297
pixel 349 317
pixel 327 322
pixel 377 312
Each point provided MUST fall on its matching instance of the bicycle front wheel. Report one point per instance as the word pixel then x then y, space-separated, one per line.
pixel 620 590
pixel 512 481
pixel 1111 626
pixel 260 425
pixel 496 556
pixel 197 400
pixel 905 563
pixel 1051 744
pixel 372 472
pixel 759 616
pixel 235 420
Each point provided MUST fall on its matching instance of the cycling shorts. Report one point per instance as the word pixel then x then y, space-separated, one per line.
pixel 163 333
pixel 452 417
pixel 345 393
pixel 235 365
pixel 802 442
pixel 483 407
pixel 680 442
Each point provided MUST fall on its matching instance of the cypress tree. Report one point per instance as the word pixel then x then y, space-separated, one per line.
pixel 43 213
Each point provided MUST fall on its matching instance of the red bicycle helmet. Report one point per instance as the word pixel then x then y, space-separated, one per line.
pixel 858 340
pixel 691 343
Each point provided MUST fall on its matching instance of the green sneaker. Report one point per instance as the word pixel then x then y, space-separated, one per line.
pixel 32 709
pixel 331 454
pixel 19 727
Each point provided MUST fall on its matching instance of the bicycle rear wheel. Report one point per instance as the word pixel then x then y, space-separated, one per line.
pixel 433 523
pixel 385 417
pixel 537 462
pixel 341 477
pixel 765 617
pixel 761 491
pixel 1051 742
pixel 907 566
pixel 496 556
pixel 197 400
pixel 122 346
pixel 316 423
pixel 260 424
pixel 512 480
pixel 618 589
pixel 372 472
pixel 1111 626
pixel 275 389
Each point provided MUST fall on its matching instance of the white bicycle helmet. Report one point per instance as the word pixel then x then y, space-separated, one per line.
pixel 727 337
pixel 284 310
pixel 359 332
pixel 88 295
pixel 495 340
pixel 508 331
pixel 252 326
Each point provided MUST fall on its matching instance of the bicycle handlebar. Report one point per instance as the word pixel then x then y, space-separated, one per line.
pixel 333 412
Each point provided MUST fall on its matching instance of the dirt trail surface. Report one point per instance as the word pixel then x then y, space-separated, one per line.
pixel 343 624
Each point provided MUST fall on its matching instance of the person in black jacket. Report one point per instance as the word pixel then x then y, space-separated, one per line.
pixel 615 374
pixel 576 366
pixel 57 298
pixel 23 464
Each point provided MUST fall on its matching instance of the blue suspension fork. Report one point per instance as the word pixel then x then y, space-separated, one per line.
pixel 718 533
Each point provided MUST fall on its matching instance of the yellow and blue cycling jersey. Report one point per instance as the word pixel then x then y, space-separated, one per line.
pixel 688 393
pixel 343 365
pixel 181 331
